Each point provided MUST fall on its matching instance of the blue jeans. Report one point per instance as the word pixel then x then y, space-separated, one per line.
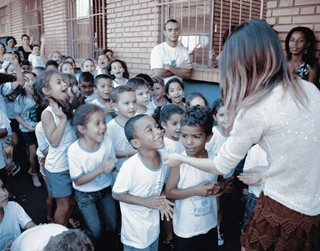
pixel 153 247
pixel 98 210
pixel 251 202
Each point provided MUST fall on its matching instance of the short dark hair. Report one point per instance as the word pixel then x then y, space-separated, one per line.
pixel 170 21
pixel 136 82
pixel 52 62
pixel 11 37
pixel 129 128
pixel 198 116
pixel 86 77
pixel 194 95
pixel 101 76
pixel 114 96
pixel 147 78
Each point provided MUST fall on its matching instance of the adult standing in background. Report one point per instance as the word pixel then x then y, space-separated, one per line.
pixel 26 48
pixel 170 58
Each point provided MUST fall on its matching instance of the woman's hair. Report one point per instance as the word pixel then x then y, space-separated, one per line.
pixel 43 81
pixel 83 114
pixel 124 66
pixel 194 95
pixel 163 113
pixel 10 37
pixel 252 64
pixel 309 55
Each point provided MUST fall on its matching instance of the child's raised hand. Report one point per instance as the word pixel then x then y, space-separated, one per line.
pixel 57 110
pixel 108 165
pixel 204 189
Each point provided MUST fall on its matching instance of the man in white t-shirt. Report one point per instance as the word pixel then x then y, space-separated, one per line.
pixel 170 58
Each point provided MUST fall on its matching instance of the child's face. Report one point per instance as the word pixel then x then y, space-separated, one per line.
pixel 222 118
pixel 175 93
pixel 88 66
pixel 86 88
pixel 298 42
pixel 117 70
pixel 143 96
pixel 109 55
pixel 148 134
pixel 172 127
pixel 36 50
pixel 194 140
pixel 25 67
pixel 56 57
pixel 103 61
pixel 58 89
pixel 67 68
pixel 4 195
pixel 95 128
pixel 104 88
pixel 2 49
pixel 158 91
pixel 126 107
pixel 28 84
pixel 197 101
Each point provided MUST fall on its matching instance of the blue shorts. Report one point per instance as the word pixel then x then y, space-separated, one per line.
pixel 59 184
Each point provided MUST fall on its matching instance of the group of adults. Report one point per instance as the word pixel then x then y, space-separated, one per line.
pixel 23 51
pixel 272 107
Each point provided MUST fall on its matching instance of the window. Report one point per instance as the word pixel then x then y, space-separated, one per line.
pixel 3 21
pixel 87 25
pixel 204 23
pixel 32 18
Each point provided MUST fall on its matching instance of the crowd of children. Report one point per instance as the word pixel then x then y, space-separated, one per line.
pixel 98 140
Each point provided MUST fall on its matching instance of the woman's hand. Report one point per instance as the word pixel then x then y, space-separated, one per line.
pixel 251 178
pixel 173 159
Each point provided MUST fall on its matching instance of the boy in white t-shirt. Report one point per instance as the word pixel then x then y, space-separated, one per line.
pixel 13 218
pixel 36 58
pixel 193 190
pixel 124 103
pixel 139 185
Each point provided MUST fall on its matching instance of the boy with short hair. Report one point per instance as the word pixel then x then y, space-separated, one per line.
pixel 124 104
pixel 193 190
pixel 86 81
pixel 103 87
pixel 142 90
pixel 37 58
pixel 139 185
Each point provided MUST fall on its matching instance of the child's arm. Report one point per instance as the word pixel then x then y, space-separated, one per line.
pixel 107 166
pixel 54 133
pixel 19 75
pixel 156 202
pixel 172 192
pixel 22 122
pixel 42 49
pixel 125 153
pixel 30 224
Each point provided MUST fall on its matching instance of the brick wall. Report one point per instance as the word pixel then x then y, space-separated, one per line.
pixel 286 14
pixel 55 26
pixel 132 31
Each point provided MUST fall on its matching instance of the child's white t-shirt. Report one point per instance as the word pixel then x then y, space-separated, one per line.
pixel 119 141
pixel 140 225
pixel 56 160
pixel 82 161
pixel 194 215
pixel 36 61
pixel 41 140
pixel 24 105
pixel 4 124
pixel 15 219
pixel 171 146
